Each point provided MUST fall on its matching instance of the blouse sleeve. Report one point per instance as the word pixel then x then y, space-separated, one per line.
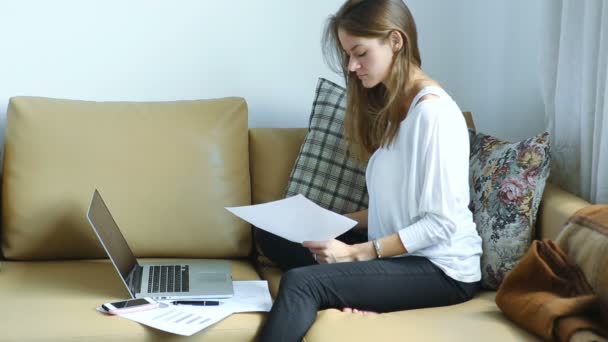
pixel 443 175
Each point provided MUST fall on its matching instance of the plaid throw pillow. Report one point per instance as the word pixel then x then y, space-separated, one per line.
pixel 324 171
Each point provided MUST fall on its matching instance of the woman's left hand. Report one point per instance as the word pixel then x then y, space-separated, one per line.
pixel 331 251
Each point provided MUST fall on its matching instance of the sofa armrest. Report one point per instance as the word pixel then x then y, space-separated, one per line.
pixel 556 207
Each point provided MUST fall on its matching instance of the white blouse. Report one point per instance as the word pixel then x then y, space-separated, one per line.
pixel 419 187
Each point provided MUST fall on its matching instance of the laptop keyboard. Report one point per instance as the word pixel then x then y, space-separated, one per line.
pixel 169 278
pixel 136 279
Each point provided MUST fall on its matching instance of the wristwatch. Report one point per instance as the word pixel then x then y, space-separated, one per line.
pixel 377 248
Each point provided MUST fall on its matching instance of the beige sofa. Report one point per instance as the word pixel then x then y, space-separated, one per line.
pixel 166 171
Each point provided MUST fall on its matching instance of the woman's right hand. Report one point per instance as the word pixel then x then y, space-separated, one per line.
pixel 333 251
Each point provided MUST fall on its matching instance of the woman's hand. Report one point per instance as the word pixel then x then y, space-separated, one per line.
pixel 332 251
pixel 329 252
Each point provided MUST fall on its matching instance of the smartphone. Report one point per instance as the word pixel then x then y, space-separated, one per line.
pixel 130 305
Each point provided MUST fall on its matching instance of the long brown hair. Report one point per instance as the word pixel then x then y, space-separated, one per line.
pixel 373 115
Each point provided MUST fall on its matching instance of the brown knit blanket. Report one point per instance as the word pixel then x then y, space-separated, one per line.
pixel 547 294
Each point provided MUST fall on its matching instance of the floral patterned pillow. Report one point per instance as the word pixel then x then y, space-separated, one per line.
pixel 507 183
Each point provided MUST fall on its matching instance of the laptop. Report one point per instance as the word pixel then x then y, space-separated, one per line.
pixel 165 280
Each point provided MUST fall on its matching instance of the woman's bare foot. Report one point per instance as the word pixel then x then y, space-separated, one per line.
pixel 357 311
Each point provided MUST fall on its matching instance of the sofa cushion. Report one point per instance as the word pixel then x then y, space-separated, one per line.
pixel 56 301
pixel 507 183
pixel 272 153
pixel 166 170
pixel 476 320
pixel 555 208
pixel 324 171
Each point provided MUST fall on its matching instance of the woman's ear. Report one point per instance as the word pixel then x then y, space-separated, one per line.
pixel 396 40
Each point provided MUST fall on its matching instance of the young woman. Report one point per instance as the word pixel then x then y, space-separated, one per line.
pixel 422 248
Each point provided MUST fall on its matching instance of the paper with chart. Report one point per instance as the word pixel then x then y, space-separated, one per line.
pixel 296 219
pixel 182 320
pixel 249 296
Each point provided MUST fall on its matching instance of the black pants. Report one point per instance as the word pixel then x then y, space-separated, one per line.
pixel 381 285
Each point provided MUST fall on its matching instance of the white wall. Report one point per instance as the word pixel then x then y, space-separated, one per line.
pixel 267 51
pixel 486 55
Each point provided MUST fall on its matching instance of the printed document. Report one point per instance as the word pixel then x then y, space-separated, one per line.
pixel 295 218
pixel 249 296
pixel 181 319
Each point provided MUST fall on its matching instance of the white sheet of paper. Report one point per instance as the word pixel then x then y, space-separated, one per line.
pixel 249 296
pixel 296 219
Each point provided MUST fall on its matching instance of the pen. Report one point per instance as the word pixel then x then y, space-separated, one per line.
pixel 197 302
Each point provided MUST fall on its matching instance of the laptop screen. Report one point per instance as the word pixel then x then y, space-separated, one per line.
pixel 110 236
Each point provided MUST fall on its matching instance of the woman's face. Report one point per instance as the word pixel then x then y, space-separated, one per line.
pixel 369 58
